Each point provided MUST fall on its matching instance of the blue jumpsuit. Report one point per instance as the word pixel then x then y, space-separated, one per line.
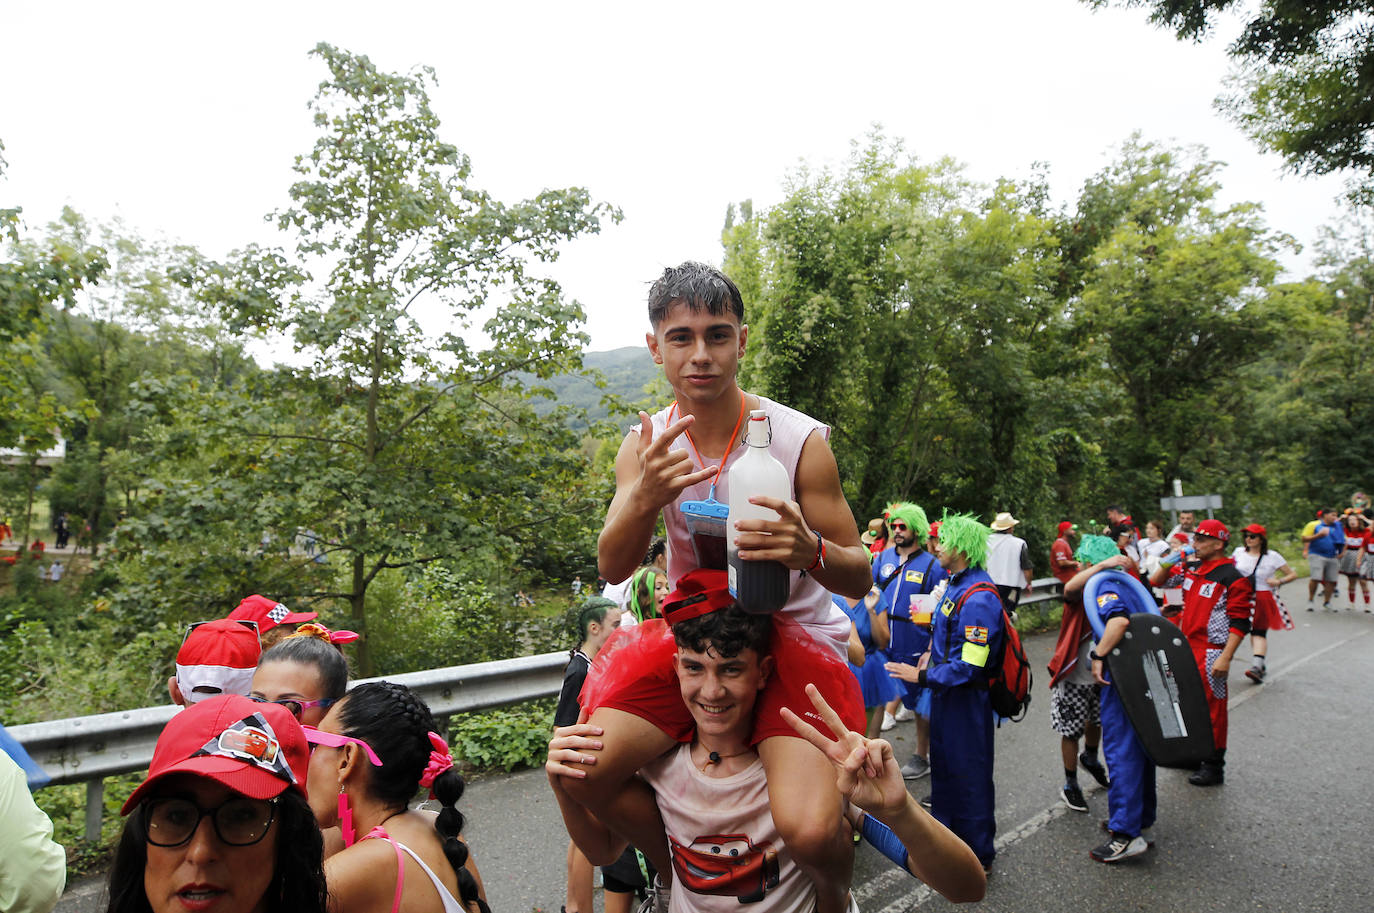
pixel 963 643
pixel 920 574
pixel 1131 795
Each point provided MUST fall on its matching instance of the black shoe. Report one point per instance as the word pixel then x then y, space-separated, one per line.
pixel 1073 797
pixel 1255 674
pixel 1092 765
pixel 1119 847
pixel 1209 774
pixel 925 801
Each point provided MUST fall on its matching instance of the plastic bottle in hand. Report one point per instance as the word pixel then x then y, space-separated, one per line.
pixel 759 586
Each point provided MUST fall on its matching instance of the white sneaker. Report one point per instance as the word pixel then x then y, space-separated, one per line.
pixel 904 714
pixel 888 722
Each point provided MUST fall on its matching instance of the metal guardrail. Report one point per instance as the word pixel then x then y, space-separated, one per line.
pixel 87 749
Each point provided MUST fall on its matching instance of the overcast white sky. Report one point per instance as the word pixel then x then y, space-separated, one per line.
pixel 184 117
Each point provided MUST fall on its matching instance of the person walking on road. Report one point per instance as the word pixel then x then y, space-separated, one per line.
pixel 1267 571
pixel 1324 546
pixel 1217 603
pixel 1074 707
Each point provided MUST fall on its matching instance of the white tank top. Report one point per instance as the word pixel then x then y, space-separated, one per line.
pixel 809 603
pixel 1004 560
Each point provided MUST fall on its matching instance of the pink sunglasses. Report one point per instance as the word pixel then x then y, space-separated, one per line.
pixel 332 740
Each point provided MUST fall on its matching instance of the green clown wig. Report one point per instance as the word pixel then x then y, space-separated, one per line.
pixel 1095 549
pixel 964 534
pixel 912 516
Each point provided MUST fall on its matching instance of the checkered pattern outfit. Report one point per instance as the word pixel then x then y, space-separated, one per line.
pixel 1072 707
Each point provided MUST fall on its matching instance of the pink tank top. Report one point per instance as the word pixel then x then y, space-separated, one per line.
pixel 809 603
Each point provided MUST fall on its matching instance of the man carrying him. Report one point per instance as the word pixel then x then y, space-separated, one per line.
pixel 712 790
pixel 1324 546
pixel 1008 561
pixel 967 633
pixel 1131 794
pixel 1074 706
pixel 683 453
pixel 1187 524
pixel 903 571
pixel 1217 602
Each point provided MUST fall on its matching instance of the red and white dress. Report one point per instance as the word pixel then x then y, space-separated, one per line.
pixel 1269 614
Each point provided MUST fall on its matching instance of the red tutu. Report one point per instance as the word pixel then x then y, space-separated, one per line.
pixel 634 672
pixel 1266 616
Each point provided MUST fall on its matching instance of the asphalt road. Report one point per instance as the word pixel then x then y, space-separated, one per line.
pixel 1290 830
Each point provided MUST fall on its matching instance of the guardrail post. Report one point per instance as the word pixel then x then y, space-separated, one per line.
pixel 95 808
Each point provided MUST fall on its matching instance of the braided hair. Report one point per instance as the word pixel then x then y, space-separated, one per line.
pixel 396 723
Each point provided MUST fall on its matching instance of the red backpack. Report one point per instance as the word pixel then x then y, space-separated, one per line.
pixel 1009 674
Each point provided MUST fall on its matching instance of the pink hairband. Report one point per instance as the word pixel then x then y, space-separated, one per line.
pixel 439 760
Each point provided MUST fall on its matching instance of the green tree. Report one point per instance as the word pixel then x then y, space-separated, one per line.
pixel 1304 86
pixel 1174 305
pixel 395 446
pixel 917 297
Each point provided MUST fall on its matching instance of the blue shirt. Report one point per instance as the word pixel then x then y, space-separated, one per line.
pixel 919 574
pixel 1327 546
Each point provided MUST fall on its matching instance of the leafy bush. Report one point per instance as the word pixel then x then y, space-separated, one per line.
pixel 503 739
pixel 442 617
pixel 79 667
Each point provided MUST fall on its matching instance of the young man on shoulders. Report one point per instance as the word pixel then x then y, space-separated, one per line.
pixel 684 453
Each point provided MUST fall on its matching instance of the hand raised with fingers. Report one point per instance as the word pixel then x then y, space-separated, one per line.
pixel 866 770
pixel 663 472
pixel 787 540
pixel 569 746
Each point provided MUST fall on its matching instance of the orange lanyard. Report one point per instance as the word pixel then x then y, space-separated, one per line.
pixel 728 447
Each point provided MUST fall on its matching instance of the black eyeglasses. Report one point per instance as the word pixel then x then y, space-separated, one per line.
pixel 239 822
pixel 295 707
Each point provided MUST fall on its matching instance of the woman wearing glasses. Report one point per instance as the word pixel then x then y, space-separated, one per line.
pixel 1267 571
pixel 305 672
pixel 373 751
pixel 221 824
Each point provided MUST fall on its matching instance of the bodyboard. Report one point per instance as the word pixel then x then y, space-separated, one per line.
pixel 1157 679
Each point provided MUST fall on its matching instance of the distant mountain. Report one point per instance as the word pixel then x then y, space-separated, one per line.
pixel 627 370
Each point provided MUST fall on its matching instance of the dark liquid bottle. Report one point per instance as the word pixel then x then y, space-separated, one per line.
pixel 758 586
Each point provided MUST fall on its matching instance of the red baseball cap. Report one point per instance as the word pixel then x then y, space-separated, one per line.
pixel 1255 529
pixel 217 657
pixel 255 749
pixel 1065 526
pixel 1213 528
pixel 268 613
pixel 934 530
pixel 699 592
